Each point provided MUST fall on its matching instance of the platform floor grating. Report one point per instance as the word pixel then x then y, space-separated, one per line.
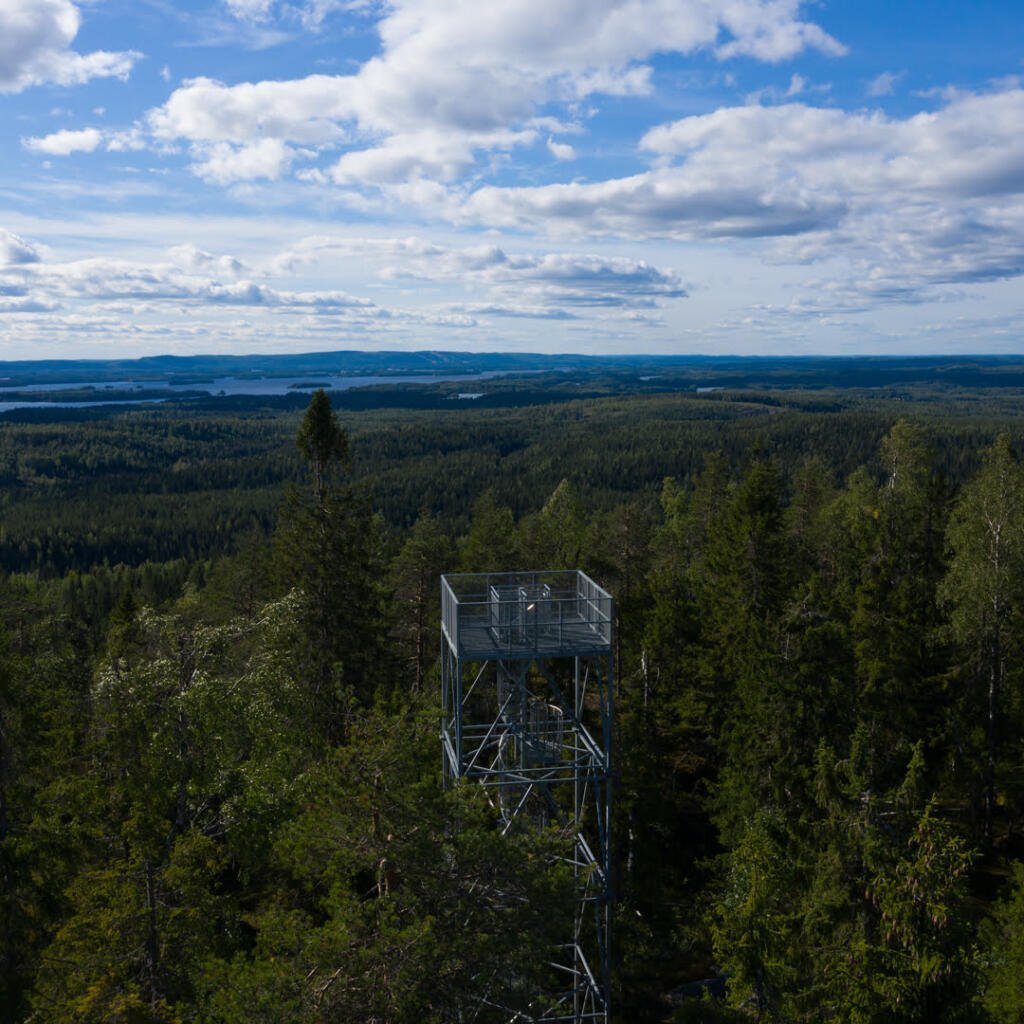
pixel 570 638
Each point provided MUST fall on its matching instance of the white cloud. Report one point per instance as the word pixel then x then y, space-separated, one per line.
pixel 427 154
pixel 254 10
pixel 190 277
pixel 514 311
pixel 224 163
pixel 220 299
pixel 35 47
pixel 911 204
pixel 561 150
pixel 510 278
pixel 16 250
pixel 565 277
pixel 126 141
pixel 195 260
pixel 662 203
pixel 458 78
pixel 884 84
pixel 773 32
pixel 65 142
pixel 791 169
pixel 308 110
pixel 310 13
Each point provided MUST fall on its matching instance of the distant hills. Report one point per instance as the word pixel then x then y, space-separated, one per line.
pixel 650 372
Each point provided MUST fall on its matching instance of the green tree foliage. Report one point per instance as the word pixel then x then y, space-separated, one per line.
pixel 984 589
pixel 193 730
pixel 218 767
pixel 415 601
pixel 557 536
pixel 490 545
pixel 895 620
pixel 327 547
pixel 1002 938
pixel 396 902
pixel 323 445
pixel 43 680
pixel 858 910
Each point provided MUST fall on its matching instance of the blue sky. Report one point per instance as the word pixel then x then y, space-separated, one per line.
pixel 663 176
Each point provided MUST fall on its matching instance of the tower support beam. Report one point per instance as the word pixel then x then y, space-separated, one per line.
pixel 526 694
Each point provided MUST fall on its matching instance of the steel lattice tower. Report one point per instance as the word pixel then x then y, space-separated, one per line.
pixel 526 686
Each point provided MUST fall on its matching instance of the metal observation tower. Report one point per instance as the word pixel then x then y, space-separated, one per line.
pixel 526 681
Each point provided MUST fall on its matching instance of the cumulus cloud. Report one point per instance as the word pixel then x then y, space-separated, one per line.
pixel 35 47
pixel 224 163
pixel 425 154
pixel 125 141
pixel 912 202
pixel 186 277
pixel 220 300
pixel 561 150
pixel 15 250
pixel 195 260
pixel 457 78
pixel 308 110
pixel 971 148
pixel 660 203
pixel 583 280
pixel 65 142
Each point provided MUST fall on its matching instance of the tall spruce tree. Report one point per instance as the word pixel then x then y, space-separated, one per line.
pixel 415 603
pixel 491 543
pixel 556 537
pixel 327 546
pixel 895 621
pixel 984 590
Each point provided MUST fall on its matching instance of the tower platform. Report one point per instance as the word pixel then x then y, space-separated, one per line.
pixel 525 615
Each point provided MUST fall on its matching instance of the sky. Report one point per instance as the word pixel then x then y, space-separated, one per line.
pixel 600 176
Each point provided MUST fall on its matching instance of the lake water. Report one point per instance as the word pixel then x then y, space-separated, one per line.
pixel 224 386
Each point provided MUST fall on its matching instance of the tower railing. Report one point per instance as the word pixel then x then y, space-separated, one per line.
pixel 558 613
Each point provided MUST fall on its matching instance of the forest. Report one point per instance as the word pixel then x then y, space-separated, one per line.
pixel 220 795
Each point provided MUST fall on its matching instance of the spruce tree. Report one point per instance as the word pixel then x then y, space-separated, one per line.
pixel 984 590
pixel 415 603
pixel 327 547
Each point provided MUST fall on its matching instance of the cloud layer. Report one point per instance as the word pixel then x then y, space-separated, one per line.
pixel 454 288
pixel 554 166
pixel 458 80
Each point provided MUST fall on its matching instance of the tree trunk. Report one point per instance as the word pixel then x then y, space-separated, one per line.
pixel 994 686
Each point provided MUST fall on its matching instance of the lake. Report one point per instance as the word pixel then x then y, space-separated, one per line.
pixel 218 386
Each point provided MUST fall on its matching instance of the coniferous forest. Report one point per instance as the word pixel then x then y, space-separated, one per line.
pixel 220 795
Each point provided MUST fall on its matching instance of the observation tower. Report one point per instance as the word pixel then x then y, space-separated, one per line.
pixel 526 687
